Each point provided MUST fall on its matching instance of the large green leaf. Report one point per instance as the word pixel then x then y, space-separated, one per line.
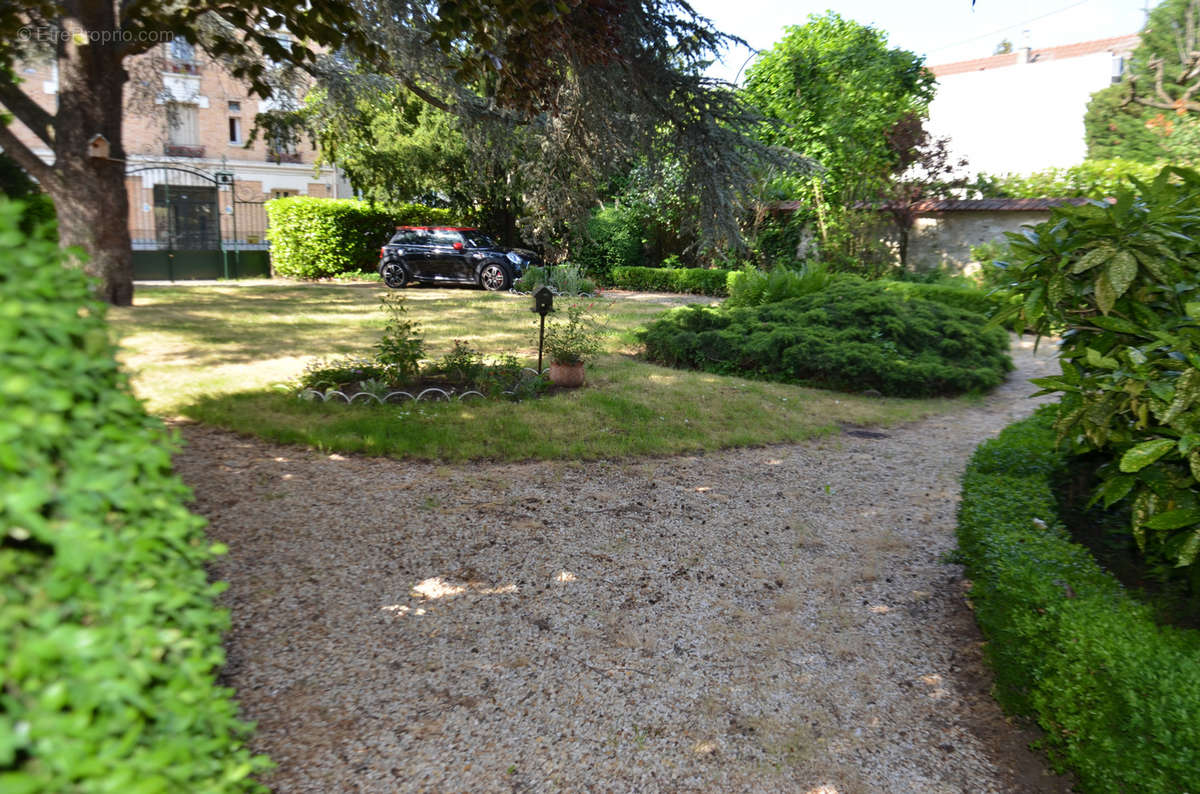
pixel 1121 271
pixel 1106 296
pixel 1097 256
pixel 1189 550
pixel 1187 390
pixel 1118 324
pixel 1174 519
pixel 1139 457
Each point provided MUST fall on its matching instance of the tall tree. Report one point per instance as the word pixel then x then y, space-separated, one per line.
pixel 1154 113
pixel 562 107
pixel 92 42
pixel 834 89
pixel 395 147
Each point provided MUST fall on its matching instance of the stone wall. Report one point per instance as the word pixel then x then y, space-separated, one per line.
pixel 944 239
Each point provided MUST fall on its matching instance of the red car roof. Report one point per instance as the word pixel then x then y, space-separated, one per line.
pixel 441 228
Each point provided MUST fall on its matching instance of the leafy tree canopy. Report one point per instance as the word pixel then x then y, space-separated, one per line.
pixel 553 112
pixel 1154 113
pixel 836 89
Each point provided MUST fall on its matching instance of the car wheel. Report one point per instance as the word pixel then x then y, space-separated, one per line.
pixel 394 275
pixel 493 277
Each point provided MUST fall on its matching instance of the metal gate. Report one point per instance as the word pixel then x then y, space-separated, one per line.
pixel 189 224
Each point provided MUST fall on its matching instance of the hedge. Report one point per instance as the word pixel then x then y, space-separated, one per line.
pixel 109 638
pixel 695 280
pixel 319 238
pixel 850 336
pixel 1117 695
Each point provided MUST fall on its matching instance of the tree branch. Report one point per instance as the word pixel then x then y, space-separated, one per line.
pixel 30 113
pixel 1157 65
pixel 25 157
pixel 426 96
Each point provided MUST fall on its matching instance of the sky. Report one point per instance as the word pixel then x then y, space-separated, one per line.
pixel 943 31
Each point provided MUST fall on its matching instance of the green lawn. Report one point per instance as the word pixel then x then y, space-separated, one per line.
pixel 213 353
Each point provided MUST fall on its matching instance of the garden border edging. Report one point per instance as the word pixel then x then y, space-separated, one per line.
pixel 1117 695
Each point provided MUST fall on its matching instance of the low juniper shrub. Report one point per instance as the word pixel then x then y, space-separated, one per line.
pixel 851 336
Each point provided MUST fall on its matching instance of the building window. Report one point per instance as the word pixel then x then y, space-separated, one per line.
pixel 181 124
pixel 284 193
pixel 1118 68
pixel 180 50
pixel 235 107
pixel 235 130
pixel 181 57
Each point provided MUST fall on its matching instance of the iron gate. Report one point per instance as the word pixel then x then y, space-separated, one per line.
pixel 189 224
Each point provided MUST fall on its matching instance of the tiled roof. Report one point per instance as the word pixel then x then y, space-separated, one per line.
pixel 994 204
pixel 1114 44
pixel 960 205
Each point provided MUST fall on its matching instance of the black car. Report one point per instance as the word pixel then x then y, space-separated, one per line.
pixel 450 255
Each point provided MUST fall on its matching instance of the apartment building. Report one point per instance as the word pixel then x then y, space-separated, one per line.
pixel 196 185
pixel 1023 111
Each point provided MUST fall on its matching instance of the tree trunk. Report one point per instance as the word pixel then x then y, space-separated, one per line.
pixel 89 191
pixel 93 213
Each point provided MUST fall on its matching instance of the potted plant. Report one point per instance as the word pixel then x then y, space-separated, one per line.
pixel 569 342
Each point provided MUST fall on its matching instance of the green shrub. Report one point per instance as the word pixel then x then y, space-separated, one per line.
pixel 319 238
pixel 753 287
pixel 1094 179
pixel 972 300
pixel 565 279
pixel 1118 695
pixel 613 239
pixel 694 280
pixel 110 640
pixel 1122 283
pixel 850 336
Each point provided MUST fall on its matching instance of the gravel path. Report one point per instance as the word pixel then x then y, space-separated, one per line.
pixel 771 619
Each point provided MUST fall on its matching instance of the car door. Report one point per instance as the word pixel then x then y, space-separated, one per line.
pixel 414 248
pixel 448 255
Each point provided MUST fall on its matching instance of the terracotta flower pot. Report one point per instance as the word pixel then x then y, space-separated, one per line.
pixel 567 375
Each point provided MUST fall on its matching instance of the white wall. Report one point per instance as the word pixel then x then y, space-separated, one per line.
pixel 1019 118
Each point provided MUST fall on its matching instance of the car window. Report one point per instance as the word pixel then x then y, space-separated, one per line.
pixel 446 237
pixel 477 240
pixel 411 237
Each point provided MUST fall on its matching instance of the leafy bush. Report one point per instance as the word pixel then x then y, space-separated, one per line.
pixel 401 347
pixel 397 366
pixel 1118 696
pixel 319 238
pixel 1122 282
pixel 577 337
pixel 851 336
pixel 564 279
pixel 753 287
pixel 664 279
pixel 1094 179
pixel 110 640
pixel 613 239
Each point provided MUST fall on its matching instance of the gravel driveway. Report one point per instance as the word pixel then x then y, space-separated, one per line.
pixel 770 619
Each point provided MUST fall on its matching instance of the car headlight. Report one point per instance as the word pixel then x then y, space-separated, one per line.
pixel 515 258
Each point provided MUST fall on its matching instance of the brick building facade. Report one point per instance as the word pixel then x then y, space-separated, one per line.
pixel 194 184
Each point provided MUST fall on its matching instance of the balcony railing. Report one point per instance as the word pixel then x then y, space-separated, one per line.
pixel 284 157
pixel 183 150
pixel 182 67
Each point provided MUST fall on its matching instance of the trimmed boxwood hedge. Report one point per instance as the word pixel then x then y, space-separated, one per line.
pixel 319 238
pixel 109 637
pixel 1117 694
pixel 696 280
pixel 851 336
